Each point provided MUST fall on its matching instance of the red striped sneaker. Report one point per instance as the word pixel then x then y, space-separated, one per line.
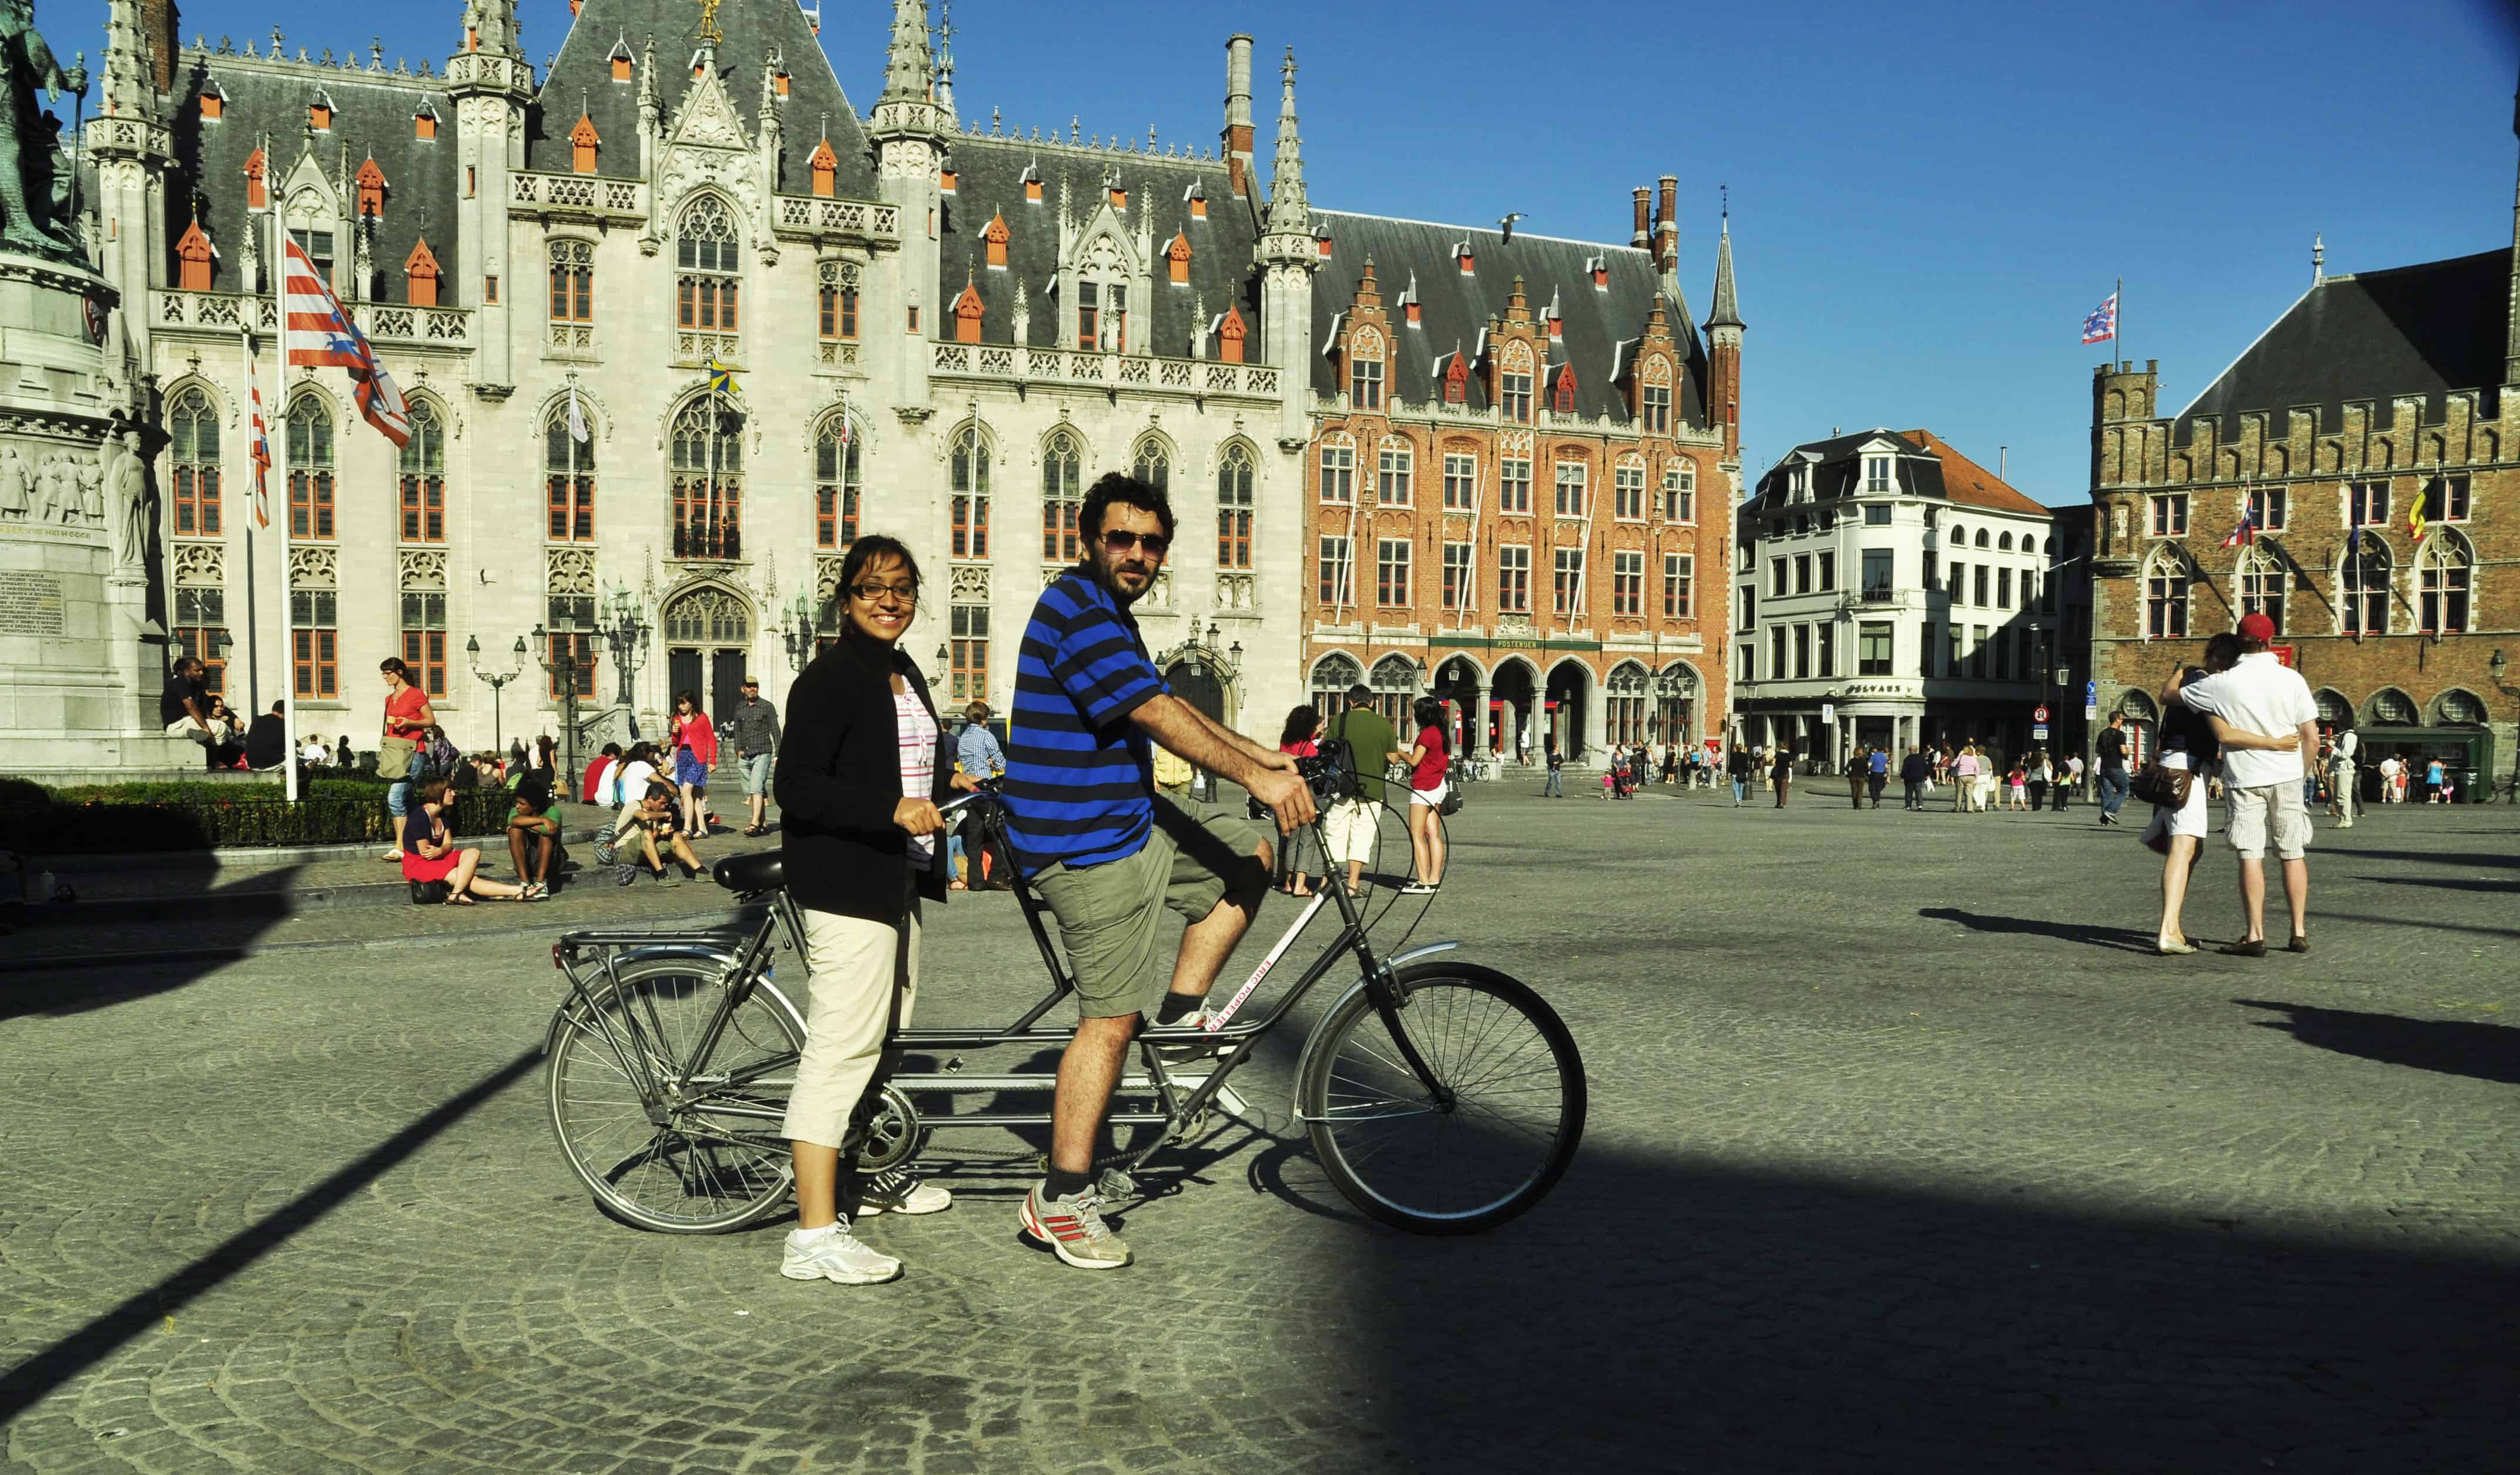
pixel 1074 1229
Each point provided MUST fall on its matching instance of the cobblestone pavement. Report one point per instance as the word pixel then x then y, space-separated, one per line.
pixel 1906 1153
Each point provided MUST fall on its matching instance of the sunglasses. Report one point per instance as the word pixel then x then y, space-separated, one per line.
pixel 1154 543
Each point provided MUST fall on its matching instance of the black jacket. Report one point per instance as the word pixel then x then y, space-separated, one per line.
pixel 839 778
pixel 1916 768
pixel 266 742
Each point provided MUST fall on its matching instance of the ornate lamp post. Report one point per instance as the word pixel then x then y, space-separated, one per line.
pixel 627 638
pixel 497 679
pixel 555 650
pixel 797 633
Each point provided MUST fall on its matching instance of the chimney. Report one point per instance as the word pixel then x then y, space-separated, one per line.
pixel 1643 234
pixel 2002 463
pixel 1667 226
pixel 1238 113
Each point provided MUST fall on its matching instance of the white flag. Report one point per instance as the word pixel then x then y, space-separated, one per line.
pixel 577 421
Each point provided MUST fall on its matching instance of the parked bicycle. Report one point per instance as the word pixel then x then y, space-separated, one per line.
pixel 1440 1096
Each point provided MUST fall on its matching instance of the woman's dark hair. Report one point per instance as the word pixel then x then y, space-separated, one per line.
pixel 394 663
pixel 1119 486
pixel 864 552
pixel 639 752
pixel 681 697
pixel 546 744
pixel 1300 724
pixel 611 750
pixel 1429 713
pixel 2221 652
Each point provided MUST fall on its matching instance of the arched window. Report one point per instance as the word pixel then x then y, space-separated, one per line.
pixel 1060 497
pixel 970 464
pixel 572 292
pixel 310 469
pixel 1981 537
pixel 1627 687
pixel 193 429
pixel 2003 544
pixel 423 477
pixel 2143 720
pixel 2165 594
pixel 1338 470
pixel 1395 687
pixel 1680 492
pixel 1151 464
pixel 2262 585
pixel 2391 707
pixel 1365 371
pixel 1513 383
pixel 1234 507
pixel 707 262
pixel 2333 710
pixel 836 483
pixel 2363 584
pixel 707 474
pixel 1628 485
pixel 2458 708
pixel 2442 569
pixel 1395 473
pixel 568 473
pixel 1333 676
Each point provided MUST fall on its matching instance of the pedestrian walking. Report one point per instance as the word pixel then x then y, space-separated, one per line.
pixel 692 741
pixel 1858 769
pixel 1556 787
pixel 1736 767
pixel 979 756
pixel 1877 775
pixel 2262 789
pixel 1353 825
pixel 755 724
pixel 2071 782
pixel 2113 780
pixel 1916 773
pixel 1782 774
pixel 859 776
pixel 2341 791
pixel 2017 783
pixel 1963 771
pixel 2043 776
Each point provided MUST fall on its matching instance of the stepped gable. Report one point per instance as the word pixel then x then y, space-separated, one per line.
pixel 1971 484
pixel 2431 330
pixel 583 70
pixel 989 180
pixel 1455 308
pixel 373 113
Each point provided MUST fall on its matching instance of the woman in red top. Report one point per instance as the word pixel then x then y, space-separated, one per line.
pixel 695 749
pixel 1427 759
pixel 429 854
pixel 1300 738
pixel 408 717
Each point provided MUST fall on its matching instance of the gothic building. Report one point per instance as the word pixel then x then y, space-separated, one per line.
pixel 938 327
pixel 2367 439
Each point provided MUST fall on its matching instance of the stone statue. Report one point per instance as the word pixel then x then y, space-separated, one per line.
pixel 13 500
pixel 61 503
pixel 2117 526
pixel 29 155
pixel 91 486
pixel 131 495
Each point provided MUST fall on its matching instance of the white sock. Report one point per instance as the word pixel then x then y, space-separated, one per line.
pixel 808 1237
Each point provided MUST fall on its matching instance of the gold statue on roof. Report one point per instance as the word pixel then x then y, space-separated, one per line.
pixel 708 22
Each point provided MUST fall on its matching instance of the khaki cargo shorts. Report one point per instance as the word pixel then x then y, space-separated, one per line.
pixel 2253 816
pixel 1108 914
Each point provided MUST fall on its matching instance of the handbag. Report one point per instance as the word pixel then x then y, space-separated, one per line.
pixel 1452 804
pixel 2167 787
pixel 394 757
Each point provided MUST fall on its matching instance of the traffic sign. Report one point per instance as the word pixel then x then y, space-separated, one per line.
pixel 2090 693
pixel 2039 734
pixel 2041 715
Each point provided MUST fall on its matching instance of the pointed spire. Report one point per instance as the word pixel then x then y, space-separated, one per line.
pixel 650 110
pixel 908 70
pixel 1727 312
pixel 491 26
pixel 130 89
pixel 945 56
pixel 1289 212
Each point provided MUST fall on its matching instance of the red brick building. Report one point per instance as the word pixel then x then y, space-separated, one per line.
pixel 1522 464
pixel 2382 404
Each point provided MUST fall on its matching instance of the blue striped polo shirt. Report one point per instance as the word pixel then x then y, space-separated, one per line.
pixel 1080 776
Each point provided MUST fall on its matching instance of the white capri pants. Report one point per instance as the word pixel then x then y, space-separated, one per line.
pixel 862 982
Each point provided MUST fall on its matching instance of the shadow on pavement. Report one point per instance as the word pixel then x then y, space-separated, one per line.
pixel 2446 883
pixel 2505 858
pixel 2450 1047
pixel 2119 939
pixel 67 985
pixel 31 1381
pixel 1656 1314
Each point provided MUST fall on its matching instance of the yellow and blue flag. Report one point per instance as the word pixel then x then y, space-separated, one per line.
pixel 721 378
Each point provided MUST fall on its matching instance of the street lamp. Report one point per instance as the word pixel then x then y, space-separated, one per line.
pixel 497 680
pixel 626 637
pixel 798 633
pixel 555 651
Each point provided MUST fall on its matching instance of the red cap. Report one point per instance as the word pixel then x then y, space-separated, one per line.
pixel 2257 628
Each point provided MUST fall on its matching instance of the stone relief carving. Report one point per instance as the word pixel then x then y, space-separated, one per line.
pixel 16 483
pixel 570 570
pixel 201 565
pixel 826 580
pixel 421 569
pixel 313 568
pixel 970 583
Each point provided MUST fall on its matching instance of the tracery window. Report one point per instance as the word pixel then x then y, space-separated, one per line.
pixel 2363 584
pixel 708 267
pixel 1061 495
pixel 193 429
pixel 2441 583
pixel 707 481
pixel 2165 597
pixel 971 472
pixel 568 478
pixel 422 484
pixel 1233 506
pixel 836 487
pixel 310 469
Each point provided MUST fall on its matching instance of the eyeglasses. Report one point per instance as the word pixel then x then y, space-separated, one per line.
pixel 875 593
pixel 1154 543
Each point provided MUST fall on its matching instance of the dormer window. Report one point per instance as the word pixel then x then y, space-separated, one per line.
pixel 946 177
pixel 214 104
pixel 1230 333
pixel 424 124
pixel 420 276
pixel 994 238
pixel 1197 197
pixel 1462 255
pixel 1119 196
pixel 779 82
pixel 582 142
pixel 1324 240
pixel 1563 397
pixel 255 196
pixel 371 183
pixel 1032 184
pixel 318 114
pixel 823 166
pixel 1599 267
pixel 966 315
pixel 194 255
pixel 621 60
pixel 1457 380
pixel 1177 258
pixel 1876 475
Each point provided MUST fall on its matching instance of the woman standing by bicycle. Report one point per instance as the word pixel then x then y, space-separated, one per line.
pixel 1427 759
pixel 859 777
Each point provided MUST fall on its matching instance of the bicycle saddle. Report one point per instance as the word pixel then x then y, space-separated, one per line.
pixel 761 870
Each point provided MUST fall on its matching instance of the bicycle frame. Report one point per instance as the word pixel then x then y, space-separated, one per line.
pixel 744 952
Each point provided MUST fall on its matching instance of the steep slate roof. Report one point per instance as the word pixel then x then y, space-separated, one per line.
pixel 1456 308
pixel 2373 336
pixel 583 68
pixel 1971 485
pixel 989 179
pixel 372 116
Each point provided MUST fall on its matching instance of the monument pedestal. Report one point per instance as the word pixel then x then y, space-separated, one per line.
pixel 79 682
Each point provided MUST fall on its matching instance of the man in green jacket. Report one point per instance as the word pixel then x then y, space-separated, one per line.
pixel 1354 823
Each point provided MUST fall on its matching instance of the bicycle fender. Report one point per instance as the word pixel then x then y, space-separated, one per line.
pixel 1391 967
pixel 719 956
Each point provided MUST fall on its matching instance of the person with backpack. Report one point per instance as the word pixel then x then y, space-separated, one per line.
pixel 1354 822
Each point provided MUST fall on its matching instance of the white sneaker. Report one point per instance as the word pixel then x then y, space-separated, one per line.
pixel 833 1253
pixel 898 1191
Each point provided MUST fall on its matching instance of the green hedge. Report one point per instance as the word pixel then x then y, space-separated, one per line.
pixel 105 819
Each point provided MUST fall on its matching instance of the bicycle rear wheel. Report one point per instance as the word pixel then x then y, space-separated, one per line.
pixel 711 1156
pixel 1497 1140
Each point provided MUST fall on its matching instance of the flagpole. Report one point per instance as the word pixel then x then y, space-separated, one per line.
pixel 2118 326
pixel 280 377
pixel 253 552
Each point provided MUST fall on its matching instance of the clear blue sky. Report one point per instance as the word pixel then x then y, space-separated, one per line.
pixel 1927 200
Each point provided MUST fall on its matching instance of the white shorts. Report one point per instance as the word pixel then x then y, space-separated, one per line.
pixel 1351 826
pixel 2190 818
pixel 1433 798
pixel 2252 817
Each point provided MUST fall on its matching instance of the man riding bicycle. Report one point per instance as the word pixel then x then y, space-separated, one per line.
pixel 1104 851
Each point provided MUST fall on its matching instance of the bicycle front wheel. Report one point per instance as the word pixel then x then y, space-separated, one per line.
pixel 1493 1136
pixel 665 1141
